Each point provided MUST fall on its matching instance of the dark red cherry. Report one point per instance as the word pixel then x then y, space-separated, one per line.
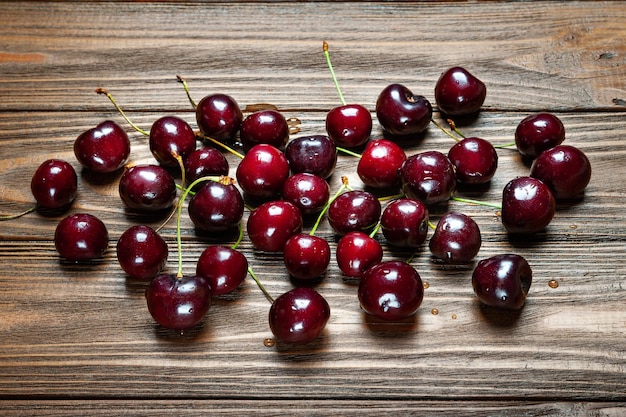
pixel 402 113
pixel 404 223
pixel 54 184
pixel 216 207
pixel 475 160
pixel 263 171
pixel 429 177
pixel 147 188
pixel 141 252
pixel 219 117
pixel 502 281
pixel 356 252
pixel 380 162
pixel 565 169
pixel 538 132
pixel 308 192
pixel 81 237
pixel 271 224
pixel 349 126
pixel 299 316
pixel 178 302
pixel 223 268
pixel 391 290
pixel 306 256
pixel 459 93
pixel 315 154
pixel 169 136
pixel 205 162
pixel 528 206
pixel 264 126
pixel 354 211
pixel 456 238
pixel 104 148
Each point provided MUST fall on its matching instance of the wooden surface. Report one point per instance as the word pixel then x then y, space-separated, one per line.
pixel 78 339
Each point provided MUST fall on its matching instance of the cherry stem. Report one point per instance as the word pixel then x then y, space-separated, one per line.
pixel 179 159
pixel 18 215
pixel 390 197
pixel 348 152
pixel 344 186
pixel 432 225
pixel 261 286
pixel 220 144
pixel 506 145
pixel 119 109
pixel 375 230
pixel 444 130
pixel 239 238
pixel 454 128
pixel 478 202
pixel 332 72
pixel 186 87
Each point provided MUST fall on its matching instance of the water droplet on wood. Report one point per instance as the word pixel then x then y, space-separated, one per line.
pixel 553 283
pixel 269 342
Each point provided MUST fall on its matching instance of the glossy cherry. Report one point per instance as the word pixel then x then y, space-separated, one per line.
pixel 528 206
pixel 429 177
pixel 354 210
pixel 538 132
pixel 147 188
pixel 380 162
pixel 141 252
pixel 316 154
pixel 264 126
pixel 271 224
pixel 299 316
pixel 216 207
pixel 263 171
pixel 349 125
pixel 54 184
pixel 205 162
pixel 475 160
pixel 219 117
pixel 104 148
pixel 459 93
pixel 306 256
pixel 356 252
pixel 404 223
pixel 81 237
pixel 502 281
pixel 224 268
pixel 402 113
pixel 170 136
pixel 308 192
pixel 391 290
pixel 565 169
pixel 456 239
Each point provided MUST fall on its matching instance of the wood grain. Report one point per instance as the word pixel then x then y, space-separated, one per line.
pixel 78 339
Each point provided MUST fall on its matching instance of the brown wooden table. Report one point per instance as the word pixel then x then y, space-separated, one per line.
pixel 78 339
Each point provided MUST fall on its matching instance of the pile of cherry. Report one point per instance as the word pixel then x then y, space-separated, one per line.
pixel 288 179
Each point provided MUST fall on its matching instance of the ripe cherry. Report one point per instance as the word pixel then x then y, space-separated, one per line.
pixel 475 160
pixel 308 192
pixel 264 126
pixel 271 224
pixel 429 177
pixel 502 281
pixel 354 210
pixel 404 223
pixel 147 188
pixel 54 184
pixel 391 290
pixel 205 162
pixel 380 162
pixel 219 117
pixel 263 171
pixel 299 316
pixel 315 154
pixel 459 93
pixel 538 132
pixel 171 136
pixel 81 237
pixel 565 169
pixel 104 148
pixel 223 268
pixel 528 206
pixel 217 206
pixel 456 239
pixel 356 252
pixel 141 252
pixel 401 113
pixel 306 256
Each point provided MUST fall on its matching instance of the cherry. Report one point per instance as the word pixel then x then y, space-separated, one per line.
pixel 223 268
pixel 171 136
pixel 404 223
pixel 306 256
pixel 456 238
pixel 528 206
pixel 354 210
pixel 104 148
pixel 81 237
pixel 205 162
pixel 400 112
pixel 272 223
pixel 356 252
pixel 459 93
pixel 538 132
pixel 391 290
pixel 264 126
pixel 141 252
pixel 217 206
pixel 429 177
pixel 147 187
pixel 475 160
pixel 502 281
pixel 565 169
pixel 348 125
pixel 178 302
pixel 263 171
pixel 315 154
pixel 219 117
pixel 308 192
pixel 299 316
pixel 380 162
pixel 54 184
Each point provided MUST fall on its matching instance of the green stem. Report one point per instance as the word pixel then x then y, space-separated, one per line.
pixel 239 238
pixel 18 215
pixel 432 225
pixel 344 186
pixel 186 87
pixel 332 72
pixel 261 287
pixel 348 152
pixel 506 145
pixel 391 197
pixel 478 202
pixel 375 230
pixel 444 130
pixel 119 109
pixel 220 144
